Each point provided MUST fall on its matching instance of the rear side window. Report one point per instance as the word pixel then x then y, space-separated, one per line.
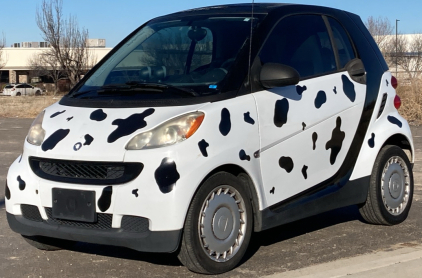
pixel 342 41
pixel 302 42
pixel 8 87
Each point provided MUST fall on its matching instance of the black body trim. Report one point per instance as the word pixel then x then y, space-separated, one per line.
pixel 150 241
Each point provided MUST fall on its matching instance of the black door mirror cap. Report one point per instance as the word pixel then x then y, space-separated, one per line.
pixel 278 75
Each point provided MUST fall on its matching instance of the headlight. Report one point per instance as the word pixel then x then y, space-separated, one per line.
pixel 171 132
pixel 36 133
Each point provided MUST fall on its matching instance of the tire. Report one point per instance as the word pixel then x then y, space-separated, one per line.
pixel 18 94
pixel 210 248
pixel 48 243
pixel 37 93
pixel 390 191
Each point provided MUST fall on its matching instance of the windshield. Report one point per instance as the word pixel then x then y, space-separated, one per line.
pixel 180 58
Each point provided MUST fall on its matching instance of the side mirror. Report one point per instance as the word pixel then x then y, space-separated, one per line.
pixel 278 75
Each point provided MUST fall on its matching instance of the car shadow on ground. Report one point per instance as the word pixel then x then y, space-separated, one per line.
pixel 264 238
pixel 1 203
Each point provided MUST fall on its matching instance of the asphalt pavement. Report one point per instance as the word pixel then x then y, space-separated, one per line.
pixel 333 244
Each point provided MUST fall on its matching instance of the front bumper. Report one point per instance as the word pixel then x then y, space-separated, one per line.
pixel 149 241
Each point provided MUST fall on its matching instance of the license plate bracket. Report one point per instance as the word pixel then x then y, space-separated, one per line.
pixel 76 205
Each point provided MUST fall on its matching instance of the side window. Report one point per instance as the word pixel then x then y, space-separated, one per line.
pixel 342 41
pixel 302 42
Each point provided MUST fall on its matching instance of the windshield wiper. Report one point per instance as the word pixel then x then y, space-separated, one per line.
pixel 136 84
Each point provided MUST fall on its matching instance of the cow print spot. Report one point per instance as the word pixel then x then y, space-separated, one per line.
pixel 203 145
pixel 98 115
pixel 304 173
pixel 77 146
pixel 387 82
pixel 225 123
pixel 286 163
pixel 135 192
pixel 244 156
pixel 348 88
pixel 104 201
pixel 247 117
pixel 303 126
pixel 68 119
pixel 57 113
pixel 129 125
pixel 88 140
pixel 272 190
pixel 21 182
pixel 300 89
pixel 7 192
pixel 395 121
pixel 280 112
pixel 320 99
pixel 336 141
pixel 51 142
pixel 335 90
pixel 166 175
pixel 371 141
pixel 314 139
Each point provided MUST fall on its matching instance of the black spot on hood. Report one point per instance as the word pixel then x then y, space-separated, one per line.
pixel 225 123
pixel 303 126
pixel 395 121
pixel 244 156
pixel 21 182
pixel 348 88
pixel 166 175
pixel 336 141
pixel 320 99
pixel 286 163
pixel 68 119
pixel 77 146
pixel 304 173
pixel 247 117
pixel 335 90
pixel 88 140
pixel 314 139
pixel 7 192
pixel 272 190
pixel 98 115
pixel 280 112
pixel 104 201
pixel 203 145
pixel 128 126
pixel 51 142
pixel 135 192
pixel 57 113
pixel 300 89
pixel 371 141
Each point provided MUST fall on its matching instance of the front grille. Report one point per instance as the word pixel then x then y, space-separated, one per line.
pixel 103 221
pixel 135 224
pixel 85 172
pixel 31 213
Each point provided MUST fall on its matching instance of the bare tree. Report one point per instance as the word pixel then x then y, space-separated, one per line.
pixel 67 40
pixel 409 55
pixel 3 56
pixel 44 64
pixel 381 29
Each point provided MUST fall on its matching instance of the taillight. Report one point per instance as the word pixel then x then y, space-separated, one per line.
pixel 394 82
pixel 397 102
pixel 13 89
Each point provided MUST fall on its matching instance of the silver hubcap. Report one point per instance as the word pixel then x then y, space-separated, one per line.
pixel 395 185
pixel 222 223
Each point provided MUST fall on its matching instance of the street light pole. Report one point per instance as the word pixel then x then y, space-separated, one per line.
pixel 397 20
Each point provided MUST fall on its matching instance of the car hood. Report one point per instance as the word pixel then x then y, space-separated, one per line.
pixel 96 134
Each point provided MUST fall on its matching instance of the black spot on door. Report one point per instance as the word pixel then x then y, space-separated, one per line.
pixel 88 140
pixel 280 112
pixel 371 141
pixel 247 117
pixel 104 201
pixel 68 119
pixel 57 113
pixel 314 139
pixel 166 175
pixel 386 81
pixel 98 115
pixel 395 121
pixel 303 126
pixel 320 99
pixel 135 192
pixel 21 182
pixel 7 192
pixel 348 88
pixel 225 123
pixel 129 125
pixel 335 90
pixel 203 145
pixel 51 142
pixel 304 173
pixel 300 89
pixel 77 146
pixel 336 141
pixel 244 156
pixel 286 163
pixel 272 190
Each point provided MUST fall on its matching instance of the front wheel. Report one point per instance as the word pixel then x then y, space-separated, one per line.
pixel 391 188
pixel 218 226
pixel 37 93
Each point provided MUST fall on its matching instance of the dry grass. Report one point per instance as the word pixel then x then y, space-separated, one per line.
pixel 411 103
pixel 25 106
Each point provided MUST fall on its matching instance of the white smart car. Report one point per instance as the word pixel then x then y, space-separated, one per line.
pixel 206 125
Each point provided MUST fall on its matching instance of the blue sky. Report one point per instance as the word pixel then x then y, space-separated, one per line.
pixel 113 20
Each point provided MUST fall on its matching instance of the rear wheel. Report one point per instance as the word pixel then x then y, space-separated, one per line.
pixel 18 94
pixel 37 93
pixel 391 188
pixel 48 243
pixel 218 226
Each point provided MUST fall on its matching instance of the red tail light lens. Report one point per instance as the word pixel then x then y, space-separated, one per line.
pixel 397 102
pixel 394 82
pixel 13 89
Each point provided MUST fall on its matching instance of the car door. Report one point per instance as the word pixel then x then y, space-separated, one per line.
pixel 307 129
pixel 20 89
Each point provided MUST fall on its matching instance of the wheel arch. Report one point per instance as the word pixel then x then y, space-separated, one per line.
pixel 400 140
